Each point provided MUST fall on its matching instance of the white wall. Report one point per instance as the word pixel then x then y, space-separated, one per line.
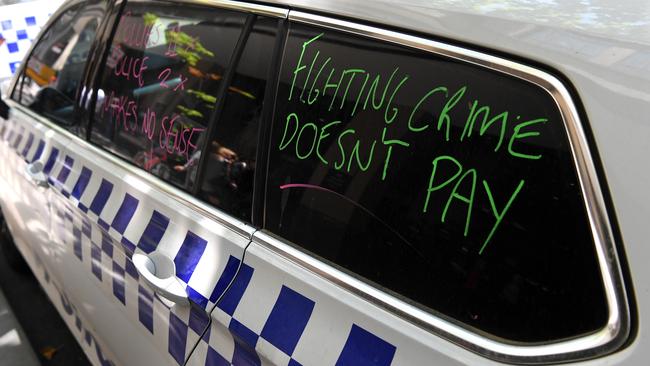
pixel 19 26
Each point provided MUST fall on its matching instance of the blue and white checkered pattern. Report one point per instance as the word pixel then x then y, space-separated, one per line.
pixel 259 320
pixel 105 223
pixel 19 26
pixel 96 353
pixel 262 321
pixel 178 328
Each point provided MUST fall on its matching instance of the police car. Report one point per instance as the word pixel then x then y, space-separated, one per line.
pixel 336 183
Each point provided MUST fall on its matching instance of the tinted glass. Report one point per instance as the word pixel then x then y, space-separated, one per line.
pixel 55 67
pixel 446 183
pixel 159 86
pixel 230 167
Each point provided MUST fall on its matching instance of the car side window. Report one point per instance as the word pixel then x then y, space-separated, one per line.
pixel 449 185
pixel 231 160
pixel 159 84
pixel 55 68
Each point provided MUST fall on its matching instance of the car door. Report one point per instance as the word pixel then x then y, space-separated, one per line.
pixel 45 117
pixel 47 90
pixel 36 162
pixel 410 190
pixel 148 260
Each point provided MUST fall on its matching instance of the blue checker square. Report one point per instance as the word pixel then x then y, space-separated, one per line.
pixel 213 358
pixel 243 334
pixel 19 138
pixel 118 283
pixel 13 66
pixel 154 232
pixel 21 34
pixel 196 297
pixel 76 245
pixel 12 47
pixel 226 277
pixel 129 247
pixel 39 151
pixel 177 338
pixel 145 308
pixel 107 245
pixel 30 21
pixel 125 213
pixel 96 262
pixel 87 337
pixel 232 297
pixel 103 224
pixel 6 24
pixel 86 229
pixel 101 197
pixel 244 356
pixel 198 319
pixel 77 321
pixel 54 153
pixel 189 255
pixel 82 182
pixel 363 348
pixel 131 270
pixel 287 320
pixel 65 170
pixel 28 145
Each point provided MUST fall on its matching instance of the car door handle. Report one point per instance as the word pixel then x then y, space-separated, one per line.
pixel 159 272
pixel 35 174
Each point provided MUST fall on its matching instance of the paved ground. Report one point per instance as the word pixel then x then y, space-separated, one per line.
pixel 14 347
pixel 45 330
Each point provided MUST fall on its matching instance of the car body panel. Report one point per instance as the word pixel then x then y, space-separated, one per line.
pixel 602 52
pixel 94 263
pixel 278 313
pixel 29 215
pixel 139 217
pixel 95 214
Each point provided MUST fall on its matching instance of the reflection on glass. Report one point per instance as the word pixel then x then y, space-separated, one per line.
pixel 230 168
pixel 158 86
pixel 55 68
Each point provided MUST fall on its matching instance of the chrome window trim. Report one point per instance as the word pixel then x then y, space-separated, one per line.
pixel 169 191
pixel 269 11
pixel 265 10
pixel 603 341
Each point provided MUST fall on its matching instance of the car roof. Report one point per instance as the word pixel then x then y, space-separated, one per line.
pixel 625 20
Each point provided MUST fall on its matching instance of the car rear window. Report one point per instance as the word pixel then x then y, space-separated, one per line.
pixel 447 184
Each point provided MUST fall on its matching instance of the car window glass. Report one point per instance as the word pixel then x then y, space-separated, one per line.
pixel 230 166
pixel 55 67
pixel 449 185
pixel 159 85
